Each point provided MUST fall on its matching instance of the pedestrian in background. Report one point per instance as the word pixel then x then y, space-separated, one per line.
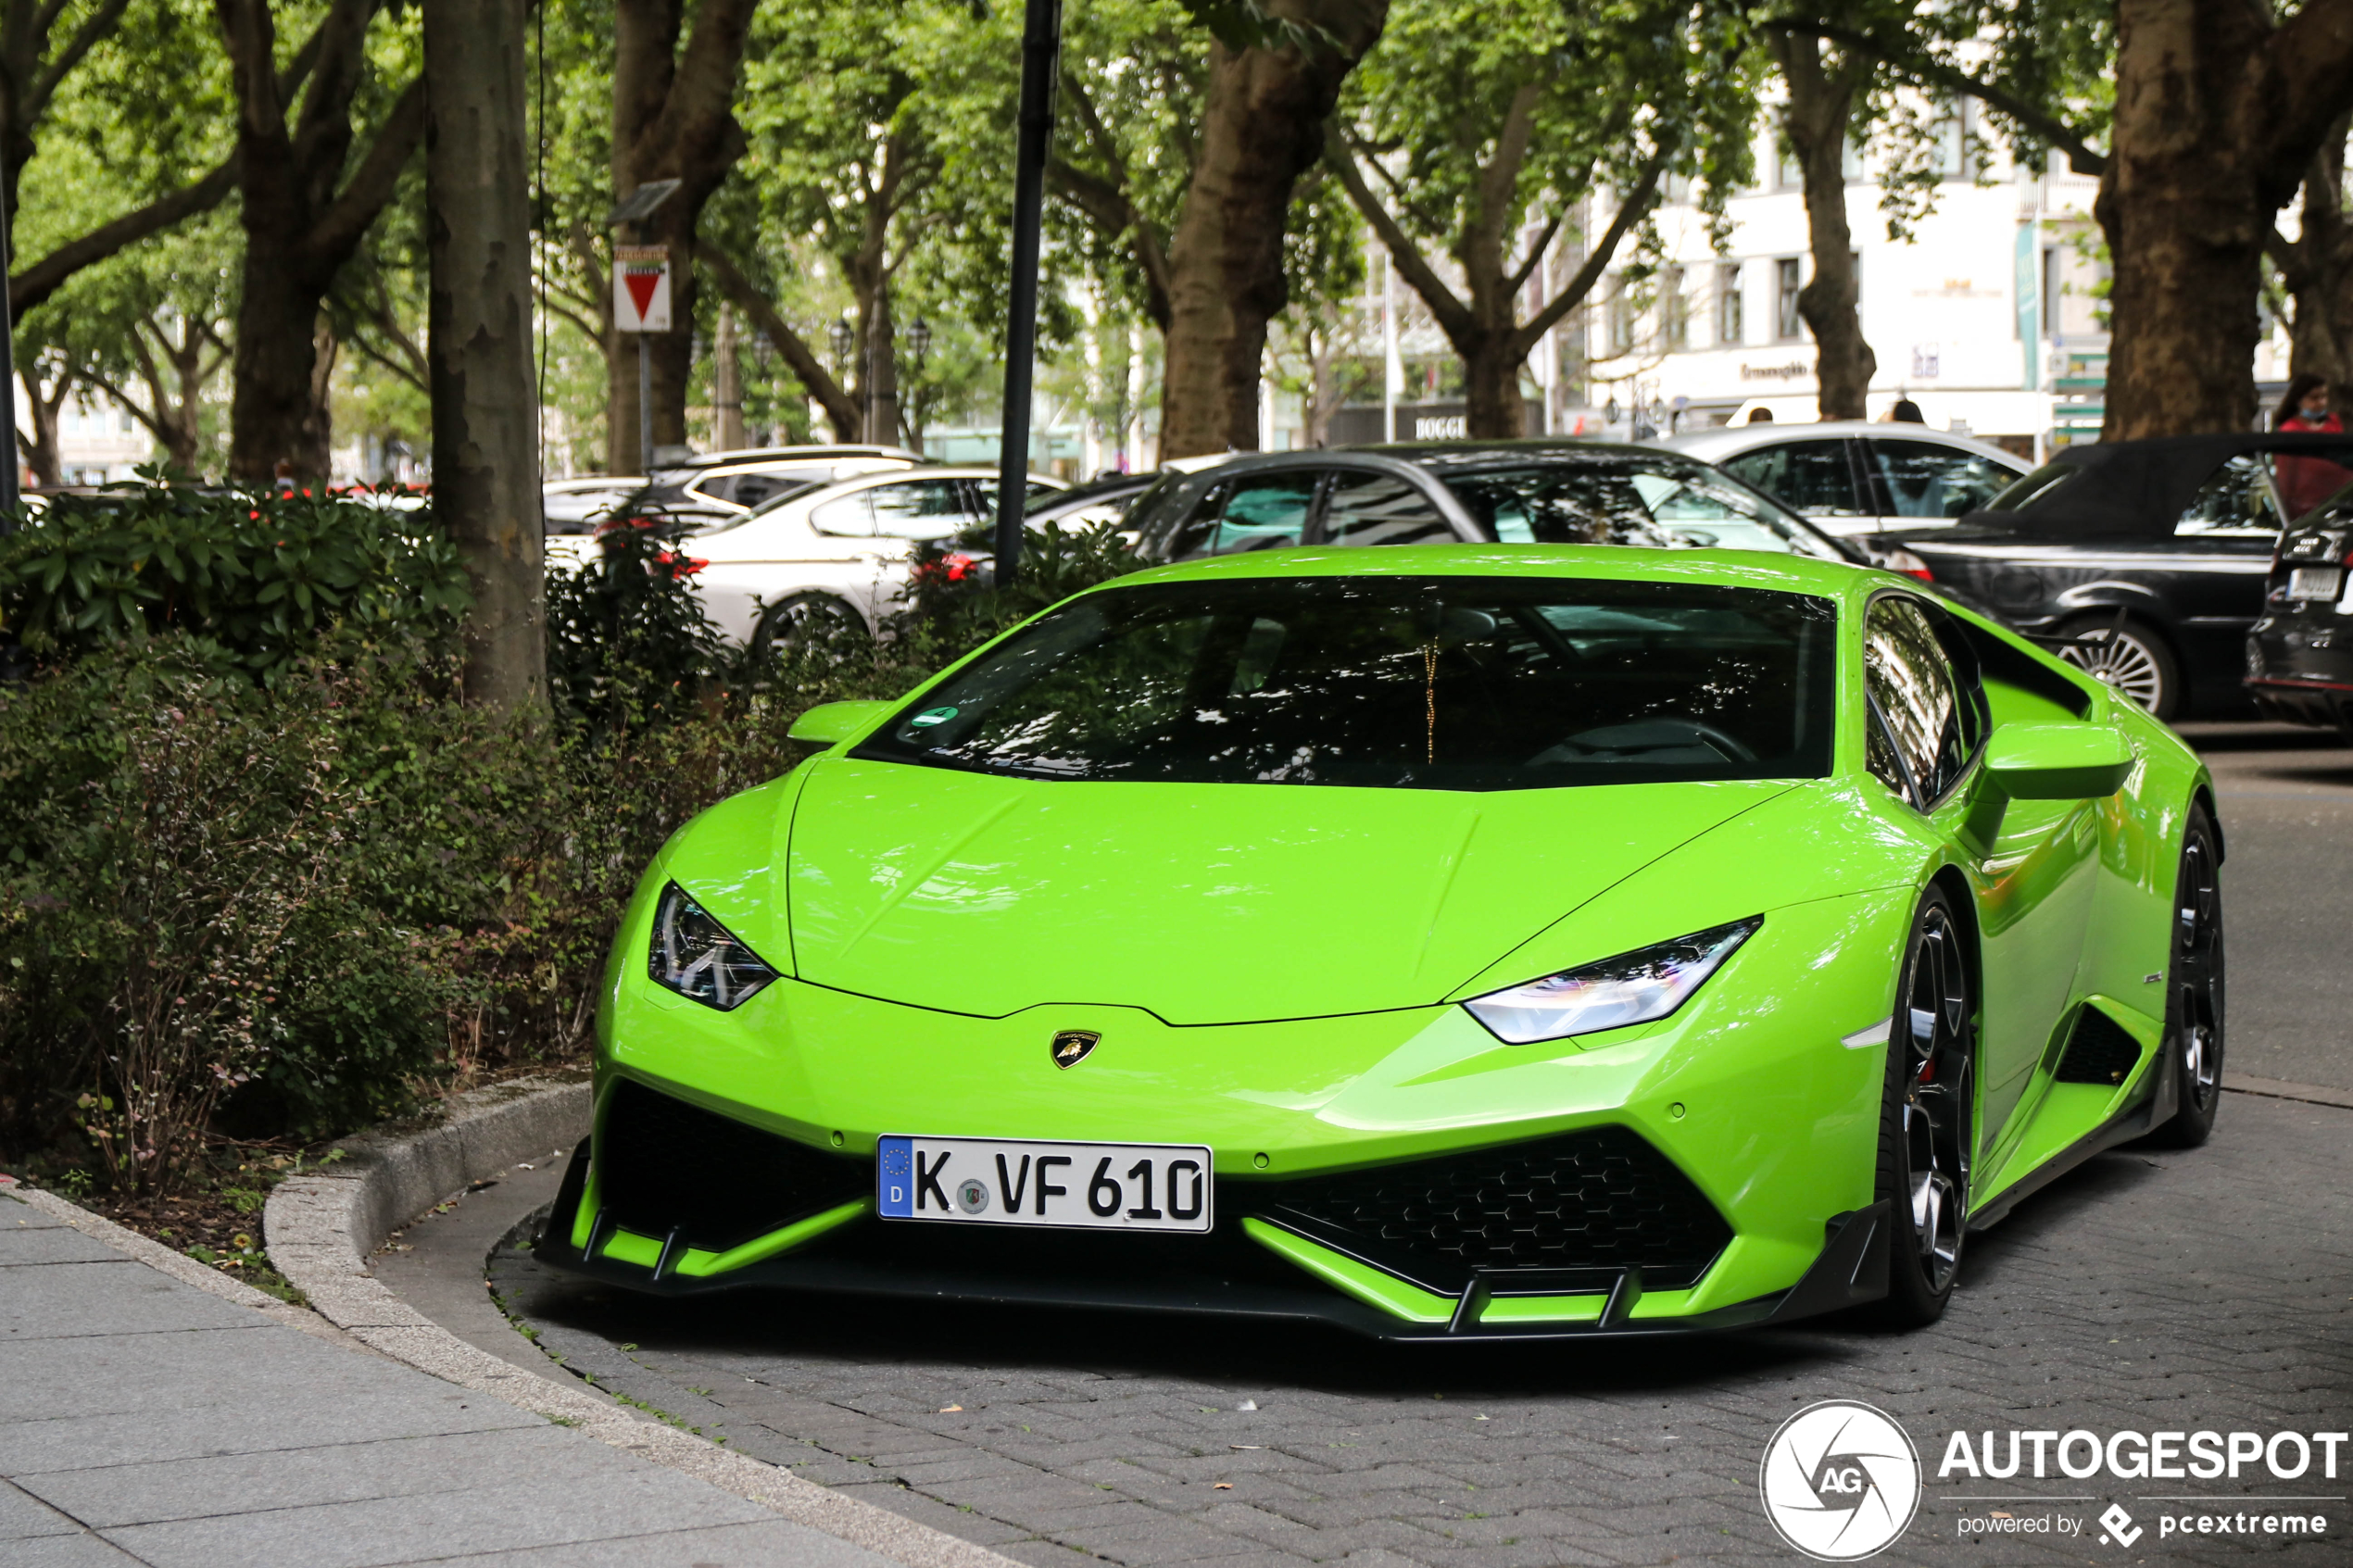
pixel 2306 481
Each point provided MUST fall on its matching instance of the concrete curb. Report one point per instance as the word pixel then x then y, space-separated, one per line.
pixel 320 1229
pixel 179 1266
pixel 2275 1088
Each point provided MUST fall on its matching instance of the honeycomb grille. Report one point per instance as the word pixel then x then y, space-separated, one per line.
pixel 2098 1050
pixel 1601 1198
pixel 662 1165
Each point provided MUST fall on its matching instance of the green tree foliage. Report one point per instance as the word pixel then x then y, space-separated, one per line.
pixel 1477 133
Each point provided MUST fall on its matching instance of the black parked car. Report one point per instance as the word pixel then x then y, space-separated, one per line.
pixel 1512 491
pixel 2146 558
pixel 2300 655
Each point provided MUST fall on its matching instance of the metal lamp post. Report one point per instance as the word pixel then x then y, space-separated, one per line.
pixel 1040 55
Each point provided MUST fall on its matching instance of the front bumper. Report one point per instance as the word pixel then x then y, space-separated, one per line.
pixel 1301 1252
pixel 1713 1170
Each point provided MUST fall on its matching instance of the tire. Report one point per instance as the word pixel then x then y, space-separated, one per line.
pixel 1927 1116
pixel 2135 660
pixel 2194 990
pixel 803 621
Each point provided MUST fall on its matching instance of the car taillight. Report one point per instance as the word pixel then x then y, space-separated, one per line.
pixel 1908 565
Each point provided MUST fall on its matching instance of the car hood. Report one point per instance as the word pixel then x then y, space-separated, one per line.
pixel 1203 903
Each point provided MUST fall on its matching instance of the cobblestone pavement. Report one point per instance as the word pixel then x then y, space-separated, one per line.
pixel 2152 1290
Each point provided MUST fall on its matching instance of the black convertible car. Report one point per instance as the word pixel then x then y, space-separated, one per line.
pixel 2148 557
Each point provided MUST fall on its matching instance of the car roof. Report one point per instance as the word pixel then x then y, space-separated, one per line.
pixel 1743 569
pixel 2140 487
pixel 1726 441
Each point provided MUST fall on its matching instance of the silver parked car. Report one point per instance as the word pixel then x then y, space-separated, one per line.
pixel 1848 477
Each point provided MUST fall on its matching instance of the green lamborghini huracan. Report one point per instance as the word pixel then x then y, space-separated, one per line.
pixel 1454 940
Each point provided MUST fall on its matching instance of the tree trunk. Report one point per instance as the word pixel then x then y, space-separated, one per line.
pixel 1822 104
pixel 2317 271
pixel 1493 407
pixel 304 218
pixel 41 454
pixel 727 384
pixel 1262 126
pixel 486 440
pixel 273 415
pixel 673 119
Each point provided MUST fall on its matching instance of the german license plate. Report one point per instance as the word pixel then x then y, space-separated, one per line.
pixel 1111 1187
pixel 2314 582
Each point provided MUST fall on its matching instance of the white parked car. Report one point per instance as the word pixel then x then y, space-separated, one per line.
pixel 1851 477
pixel 837 552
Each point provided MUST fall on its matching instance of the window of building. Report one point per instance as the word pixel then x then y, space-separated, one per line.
pixel 1675 306
pixel 1787 278
pixel 1676 190
pixel 1621 318
pixel 1731 327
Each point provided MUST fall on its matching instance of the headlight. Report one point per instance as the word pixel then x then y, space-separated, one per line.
pixel 1637 988
pixel 695 956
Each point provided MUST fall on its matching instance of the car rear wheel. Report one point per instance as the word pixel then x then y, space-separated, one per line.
pixel 803 623
pixel 1927 1117
pixel 2129 656
pixel 2193 989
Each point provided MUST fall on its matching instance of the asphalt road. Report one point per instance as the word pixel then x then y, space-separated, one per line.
pixel 2151 1290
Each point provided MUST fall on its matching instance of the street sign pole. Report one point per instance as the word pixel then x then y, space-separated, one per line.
pixel 641 297
pixel 1041 53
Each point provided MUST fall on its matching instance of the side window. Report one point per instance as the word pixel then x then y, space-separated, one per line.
pixel 851 517
pixel 1924 480
pixel 2237 496
pixel 720 488
pixel 1912 686
pixel 1812 477
pixel 929 508
pixel 1262 514
pixel 1372 508
pixel 751 489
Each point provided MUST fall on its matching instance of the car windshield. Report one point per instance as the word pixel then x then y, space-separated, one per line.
pixel 1428 683
pixel 1626 501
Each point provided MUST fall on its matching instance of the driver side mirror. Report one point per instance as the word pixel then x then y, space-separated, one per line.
pixel 830 723
pixel 2058 761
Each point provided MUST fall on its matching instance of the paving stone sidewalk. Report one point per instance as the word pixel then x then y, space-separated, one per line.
pixel 142 1421
pixel 2152 1290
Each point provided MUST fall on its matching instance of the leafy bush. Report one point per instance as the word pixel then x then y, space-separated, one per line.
pixel 287 907
pixel 256 579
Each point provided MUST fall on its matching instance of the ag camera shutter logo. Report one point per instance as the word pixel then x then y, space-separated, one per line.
pixel 1839 1481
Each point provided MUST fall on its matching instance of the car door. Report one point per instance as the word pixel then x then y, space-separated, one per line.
pixel 1814 477
pixel 825 543
pixel 1912 481
pixel 1263 511
pixel 1363 508
pixel 2032 880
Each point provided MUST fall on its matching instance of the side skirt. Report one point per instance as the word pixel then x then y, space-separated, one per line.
pixel 2150 1110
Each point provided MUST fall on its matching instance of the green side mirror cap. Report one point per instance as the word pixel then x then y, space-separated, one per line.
pixel 830 723
pixel 2058 761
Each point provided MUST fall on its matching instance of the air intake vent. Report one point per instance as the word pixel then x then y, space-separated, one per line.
pixel 663 1164
pixel 1566 1213
pixel 2098 1051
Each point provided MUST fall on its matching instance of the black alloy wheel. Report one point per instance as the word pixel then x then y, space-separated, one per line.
pixel 1927 1117
pixel 805 622
pixel 2129 656
pixel 2193 988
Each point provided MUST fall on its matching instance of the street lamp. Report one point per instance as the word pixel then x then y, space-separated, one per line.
pixel 843 338
pixel 919 339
